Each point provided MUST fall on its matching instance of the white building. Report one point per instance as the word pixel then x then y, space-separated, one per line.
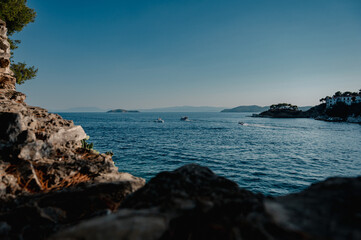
pixel 330 101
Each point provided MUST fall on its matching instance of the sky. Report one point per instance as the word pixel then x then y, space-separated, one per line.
pixel 160 53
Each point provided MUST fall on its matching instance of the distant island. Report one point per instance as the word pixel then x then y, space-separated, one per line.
pixel 255 108
pixel 122 111
pixel 341 107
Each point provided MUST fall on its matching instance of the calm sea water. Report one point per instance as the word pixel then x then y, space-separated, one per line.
pixel 271 156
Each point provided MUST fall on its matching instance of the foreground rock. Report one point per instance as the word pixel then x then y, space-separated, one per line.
pixel 326 210
pixel 40 215
pixel 193 203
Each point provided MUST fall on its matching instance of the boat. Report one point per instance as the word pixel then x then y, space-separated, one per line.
pixel 184 118
pixel 241 123
pixel 159 120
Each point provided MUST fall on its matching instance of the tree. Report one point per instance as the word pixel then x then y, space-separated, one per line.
pixel 283 106
pixel 338 94
pixel 17 15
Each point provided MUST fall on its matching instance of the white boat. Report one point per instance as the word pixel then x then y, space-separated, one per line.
pixel 185 118
pixel 159 120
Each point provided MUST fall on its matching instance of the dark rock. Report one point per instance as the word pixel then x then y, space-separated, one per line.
pixel 326 210
pixel 37 216
pixel 188 203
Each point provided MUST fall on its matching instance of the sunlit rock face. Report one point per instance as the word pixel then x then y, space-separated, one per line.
pixel 41 151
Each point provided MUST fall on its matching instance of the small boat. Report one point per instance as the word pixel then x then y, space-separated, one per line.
pixel 241 123
pixel 184 118
pixel 159 120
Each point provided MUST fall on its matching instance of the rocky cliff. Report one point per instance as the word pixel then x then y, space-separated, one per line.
pixel 45 172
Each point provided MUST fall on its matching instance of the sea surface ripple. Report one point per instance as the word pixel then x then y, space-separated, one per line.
pixel 271 156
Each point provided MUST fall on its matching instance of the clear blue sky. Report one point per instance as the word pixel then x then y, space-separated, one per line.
pixel 143 54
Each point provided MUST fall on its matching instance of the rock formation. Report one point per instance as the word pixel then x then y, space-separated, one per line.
pixel 45 172
pixel 7 81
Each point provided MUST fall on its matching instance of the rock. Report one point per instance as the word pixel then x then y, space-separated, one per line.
pixel 194 203
pixel 7 81
pixel 188 203
pixel 326 210
pixel 354 119
pixel 37 216
pixel 43 151
pixel 282 113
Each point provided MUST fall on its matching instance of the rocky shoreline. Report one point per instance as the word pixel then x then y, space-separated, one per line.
pixel 53 186
pixel 318 112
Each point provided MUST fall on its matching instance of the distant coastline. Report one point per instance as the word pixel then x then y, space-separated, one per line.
pixel 341 107
pixel 122 111
pixel 255 108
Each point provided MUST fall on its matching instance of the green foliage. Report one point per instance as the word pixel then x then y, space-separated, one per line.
pixel 346 94
pixel 23 73
pixel 343 110
pixel 17 15
pixel 85 145
pixel 283 106
pixel 88 146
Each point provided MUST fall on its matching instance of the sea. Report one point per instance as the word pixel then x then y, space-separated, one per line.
pixel 264 155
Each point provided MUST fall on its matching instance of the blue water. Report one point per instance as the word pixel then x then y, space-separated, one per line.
pixel 271 156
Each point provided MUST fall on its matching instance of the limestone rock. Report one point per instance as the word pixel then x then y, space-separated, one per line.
pixel 7 81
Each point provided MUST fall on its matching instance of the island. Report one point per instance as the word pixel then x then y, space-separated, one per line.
pixel 341 107
pixel 122 111
pixel 255 108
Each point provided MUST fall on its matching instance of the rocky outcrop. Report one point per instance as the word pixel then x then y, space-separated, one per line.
pixel 48 179
pixel 40 151
pixel 7 81
pixel 282 113
pixel 354 119
pixel 313 112
pixel 194 203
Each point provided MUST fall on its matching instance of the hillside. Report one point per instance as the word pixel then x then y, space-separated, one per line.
pixel 250 108
pixel 122 111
